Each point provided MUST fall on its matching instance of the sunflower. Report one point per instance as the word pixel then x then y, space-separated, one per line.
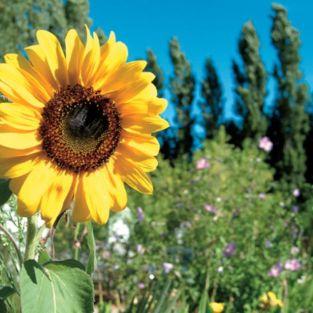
pixel 77 127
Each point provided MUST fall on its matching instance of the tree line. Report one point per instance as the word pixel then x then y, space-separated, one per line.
pixel 289 124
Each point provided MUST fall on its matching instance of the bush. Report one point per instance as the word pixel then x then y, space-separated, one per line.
pixel 226 221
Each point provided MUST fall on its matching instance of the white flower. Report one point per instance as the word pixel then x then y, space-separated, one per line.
pixel 167 267
pixel 220 269
pixel 119 231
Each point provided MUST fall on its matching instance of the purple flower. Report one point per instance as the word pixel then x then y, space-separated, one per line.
pixel 140 215
pixel 296 192
pixel 210 208
pixel 202 164
pixel 265 144
pixel 167 267
pixel 141 285
pixel 230 250
pixel 275 270
pixel 292 265
pixel 268 244
pixel 295 209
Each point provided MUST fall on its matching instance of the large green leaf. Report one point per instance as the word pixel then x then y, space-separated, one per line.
pixel 56 287
pixel 5 191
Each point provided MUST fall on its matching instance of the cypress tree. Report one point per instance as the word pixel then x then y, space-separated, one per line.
pixel 21 18
pixel 153 67
pixel 182 87
pixel 77 14
pixel 13 25
pixel 290 123
pixel 250 80
pixel 212 104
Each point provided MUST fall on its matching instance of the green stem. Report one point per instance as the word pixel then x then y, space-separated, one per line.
pixel 76 234
pixel 10 237
pixel 32 238
pixel 92 261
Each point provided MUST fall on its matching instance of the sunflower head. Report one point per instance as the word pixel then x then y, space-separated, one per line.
pixel 77 126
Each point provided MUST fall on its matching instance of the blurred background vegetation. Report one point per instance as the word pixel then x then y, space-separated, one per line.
pixel 232 214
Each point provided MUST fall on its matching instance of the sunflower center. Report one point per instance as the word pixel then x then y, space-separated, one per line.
pixel 80 129
pixel 86 122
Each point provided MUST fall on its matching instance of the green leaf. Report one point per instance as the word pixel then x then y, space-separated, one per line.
pixel 6 291
pixel 3 308
pixel 92 261
pixel 5 191
pixel 43 257
pixel 204 300
pixel 56 287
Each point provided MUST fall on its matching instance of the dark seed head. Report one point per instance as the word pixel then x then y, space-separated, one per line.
pixel 80 129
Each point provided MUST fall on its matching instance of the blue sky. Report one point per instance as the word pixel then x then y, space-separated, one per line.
pixel 204 28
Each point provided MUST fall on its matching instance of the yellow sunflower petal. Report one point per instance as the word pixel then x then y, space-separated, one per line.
pixel 14 139
pixel 116 188
pixel 130 90
pixel 144 123
pixel 147 164
pixel 19 116
pixel 34 186
pixel 116 56
pixel 38 60
pixel 43 89
pixel 53 199
pixel 142 106
pixel 74 56
pixel 134 176
pixel 91 57
pixel 15 167
pixel 105 49
pixel 92 195
pixel 70 196
pixel 7 153
pixel 54 55
pixel 122 76
pixel 18 86
pixel 140 144
pixel 148 93
pixel 81 211
pixel 17 183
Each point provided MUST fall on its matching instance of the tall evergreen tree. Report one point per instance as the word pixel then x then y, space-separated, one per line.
pixel 212 104
pixel 77 14
pixel 153 67
pixel 182 88
pixel 250 80
pixel 21 18
pixel 289 125
pixel 13 25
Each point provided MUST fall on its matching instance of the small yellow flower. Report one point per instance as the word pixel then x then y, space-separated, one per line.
pixel 77 126
pixel 216 307
pixel 270 300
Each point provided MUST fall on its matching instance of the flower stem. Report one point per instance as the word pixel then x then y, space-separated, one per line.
pixel 92 261
pixel 10 237
pixel 32 238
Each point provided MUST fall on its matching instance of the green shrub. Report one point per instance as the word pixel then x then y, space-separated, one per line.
pixel 247 215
